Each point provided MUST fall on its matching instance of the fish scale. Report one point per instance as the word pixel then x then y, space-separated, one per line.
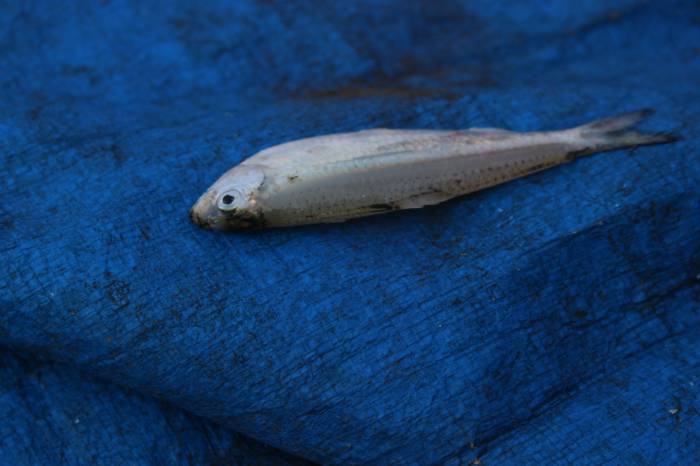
pixel 338 177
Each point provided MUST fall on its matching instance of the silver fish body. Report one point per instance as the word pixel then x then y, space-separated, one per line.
pixel 338 177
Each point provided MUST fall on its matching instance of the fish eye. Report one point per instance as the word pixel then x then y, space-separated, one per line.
pixel 227 201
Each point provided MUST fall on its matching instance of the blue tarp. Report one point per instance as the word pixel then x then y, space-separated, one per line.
pixel 551 320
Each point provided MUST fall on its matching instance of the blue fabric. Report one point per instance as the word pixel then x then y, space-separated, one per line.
pixel 552 320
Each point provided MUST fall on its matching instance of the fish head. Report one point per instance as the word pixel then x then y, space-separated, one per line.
pixel 231 203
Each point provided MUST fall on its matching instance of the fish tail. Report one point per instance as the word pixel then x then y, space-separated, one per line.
pixel 615 133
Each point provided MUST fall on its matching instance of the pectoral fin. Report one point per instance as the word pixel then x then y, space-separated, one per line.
pixel 412 202
pixel 424 199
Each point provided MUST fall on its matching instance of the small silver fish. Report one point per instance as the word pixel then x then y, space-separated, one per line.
pixel 337 177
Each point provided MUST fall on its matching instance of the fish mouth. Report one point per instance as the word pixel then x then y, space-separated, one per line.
pixel 203 213
pixel 199 220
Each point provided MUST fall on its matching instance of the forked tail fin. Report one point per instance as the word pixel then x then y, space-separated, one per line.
pixel 614 133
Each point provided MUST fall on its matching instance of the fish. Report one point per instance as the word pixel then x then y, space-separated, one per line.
pixel 337 177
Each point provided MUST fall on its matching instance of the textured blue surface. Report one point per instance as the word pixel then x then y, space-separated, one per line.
pixel 51 414
pixel 550 320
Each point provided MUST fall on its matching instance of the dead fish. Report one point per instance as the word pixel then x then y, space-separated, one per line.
pixel 338 177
